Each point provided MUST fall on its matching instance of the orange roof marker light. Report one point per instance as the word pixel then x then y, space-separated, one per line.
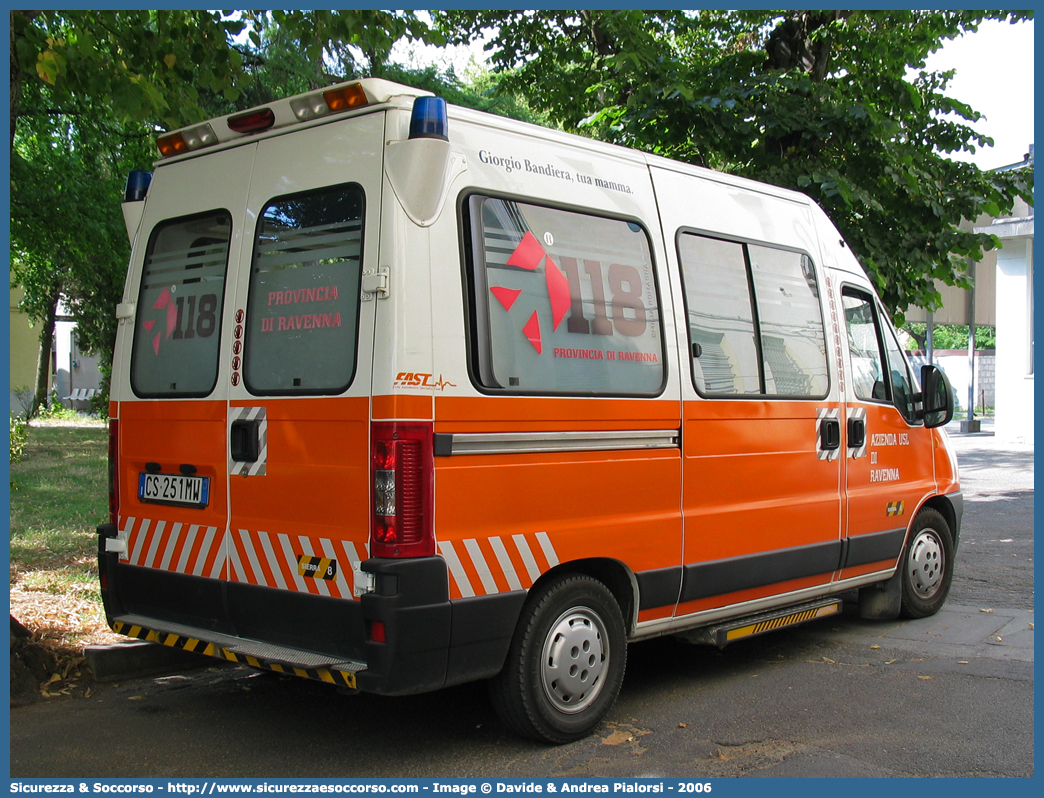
pixel 186 140
pixel 341 98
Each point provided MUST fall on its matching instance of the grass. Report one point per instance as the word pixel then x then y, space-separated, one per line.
pixel 59 494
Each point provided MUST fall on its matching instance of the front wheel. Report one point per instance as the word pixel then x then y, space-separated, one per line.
pixel 926 565
pixel 566 663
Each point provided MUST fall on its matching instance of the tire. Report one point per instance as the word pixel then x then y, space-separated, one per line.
pixel 565 664
pixel 926 566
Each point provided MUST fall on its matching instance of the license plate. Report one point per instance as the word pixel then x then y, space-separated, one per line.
pixel 174 489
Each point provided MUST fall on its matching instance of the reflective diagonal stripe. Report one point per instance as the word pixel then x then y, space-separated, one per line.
pixel 489 585
pixel 527 557
pixel 549 551
pixel 139 540
pixel 467 556
pixel 209 538
pixel 270 555
pixel 506 566
pixel 456 570
pixel 255 564
pixel 172 544
pixel 238 574
pixel 288 552
pixel 186 549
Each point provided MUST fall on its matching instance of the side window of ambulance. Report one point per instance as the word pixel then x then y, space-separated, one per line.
pixel 868 379
pixel 879 376
pixel 177 330
pixel 303 304
pixel 755 321
pixel 904 387
pixel 561 302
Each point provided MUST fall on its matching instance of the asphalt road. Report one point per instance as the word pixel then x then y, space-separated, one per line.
pixel 948 696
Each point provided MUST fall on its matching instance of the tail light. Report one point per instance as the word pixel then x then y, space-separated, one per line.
pixel 114 471
pixel 252 121
pixel 403 485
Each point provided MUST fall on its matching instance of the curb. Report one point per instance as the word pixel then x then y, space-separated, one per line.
pixel 137 658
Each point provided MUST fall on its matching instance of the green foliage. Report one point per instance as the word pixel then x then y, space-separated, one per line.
pixel 19 437
pixel 817 101
pixel 952 336
pixel 68 237
pixel 146 65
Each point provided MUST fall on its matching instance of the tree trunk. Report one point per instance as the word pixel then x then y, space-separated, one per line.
pixel 43 359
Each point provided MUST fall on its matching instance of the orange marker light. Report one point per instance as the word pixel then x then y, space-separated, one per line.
pixel 352 96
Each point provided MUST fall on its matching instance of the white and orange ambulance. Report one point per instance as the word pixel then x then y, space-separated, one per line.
pixel 407 395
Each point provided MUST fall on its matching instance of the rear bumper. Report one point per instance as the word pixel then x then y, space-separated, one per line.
pixel 430 641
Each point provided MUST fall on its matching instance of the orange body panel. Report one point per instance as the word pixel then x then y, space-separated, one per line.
pixel 312 501
pixel 753 479
pixel 899 467
pixel 172 433
pixel 503 519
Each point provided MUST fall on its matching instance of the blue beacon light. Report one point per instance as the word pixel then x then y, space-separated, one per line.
pixel 137 185
pixel 428 120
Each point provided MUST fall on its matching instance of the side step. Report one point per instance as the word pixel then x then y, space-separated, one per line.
pixel 722 634
pixel 281 659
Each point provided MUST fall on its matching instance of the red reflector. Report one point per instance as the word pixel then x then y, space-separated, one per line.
pixel 252 121
pixel 352 96
pixel 104 579
pixel 376 631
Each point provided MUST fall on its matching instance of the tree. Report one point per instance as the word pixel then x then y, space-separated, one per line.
pixel 147 65
pixel 87 87
pixel 67 234
pixel 837 104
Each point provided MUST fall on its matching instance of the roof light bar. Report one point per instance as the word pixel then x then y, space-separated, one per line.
pixel 319 104
pixel 186 140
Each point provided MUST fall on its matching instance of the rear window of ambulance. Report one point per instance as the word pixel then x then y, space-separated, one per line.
pixel 178 325
pixel 305 284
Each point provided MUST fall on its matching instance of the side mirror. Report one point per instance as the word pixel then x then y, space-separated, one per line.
pixel 937 397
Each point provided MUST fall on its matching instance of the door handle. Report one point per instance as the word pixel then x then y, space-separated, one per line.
pixel 856 432
pixel 830 434
pixel 245 440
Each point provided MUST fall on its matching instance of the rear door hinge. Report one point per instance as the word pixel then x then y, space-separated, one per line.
pixel 364 581
pixel 375 284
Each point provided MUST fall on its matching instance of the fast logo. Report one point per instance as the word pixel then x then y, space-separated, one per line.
pixel 409 379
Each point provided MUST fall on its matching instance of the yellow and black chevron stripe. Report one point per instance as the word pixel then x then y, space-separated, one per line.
pixel 316 567
pixel 896 508
pixel 769 624
pixel 338 677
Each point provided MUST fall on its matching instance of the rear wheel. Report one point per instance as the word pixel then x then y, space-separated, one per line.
pixel 927 565
pixel 566 664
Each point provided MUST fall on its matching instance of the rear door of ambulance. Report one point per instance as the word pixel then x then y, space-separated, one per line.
pixel 299 389
pixel 170 389
pixel 250 367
